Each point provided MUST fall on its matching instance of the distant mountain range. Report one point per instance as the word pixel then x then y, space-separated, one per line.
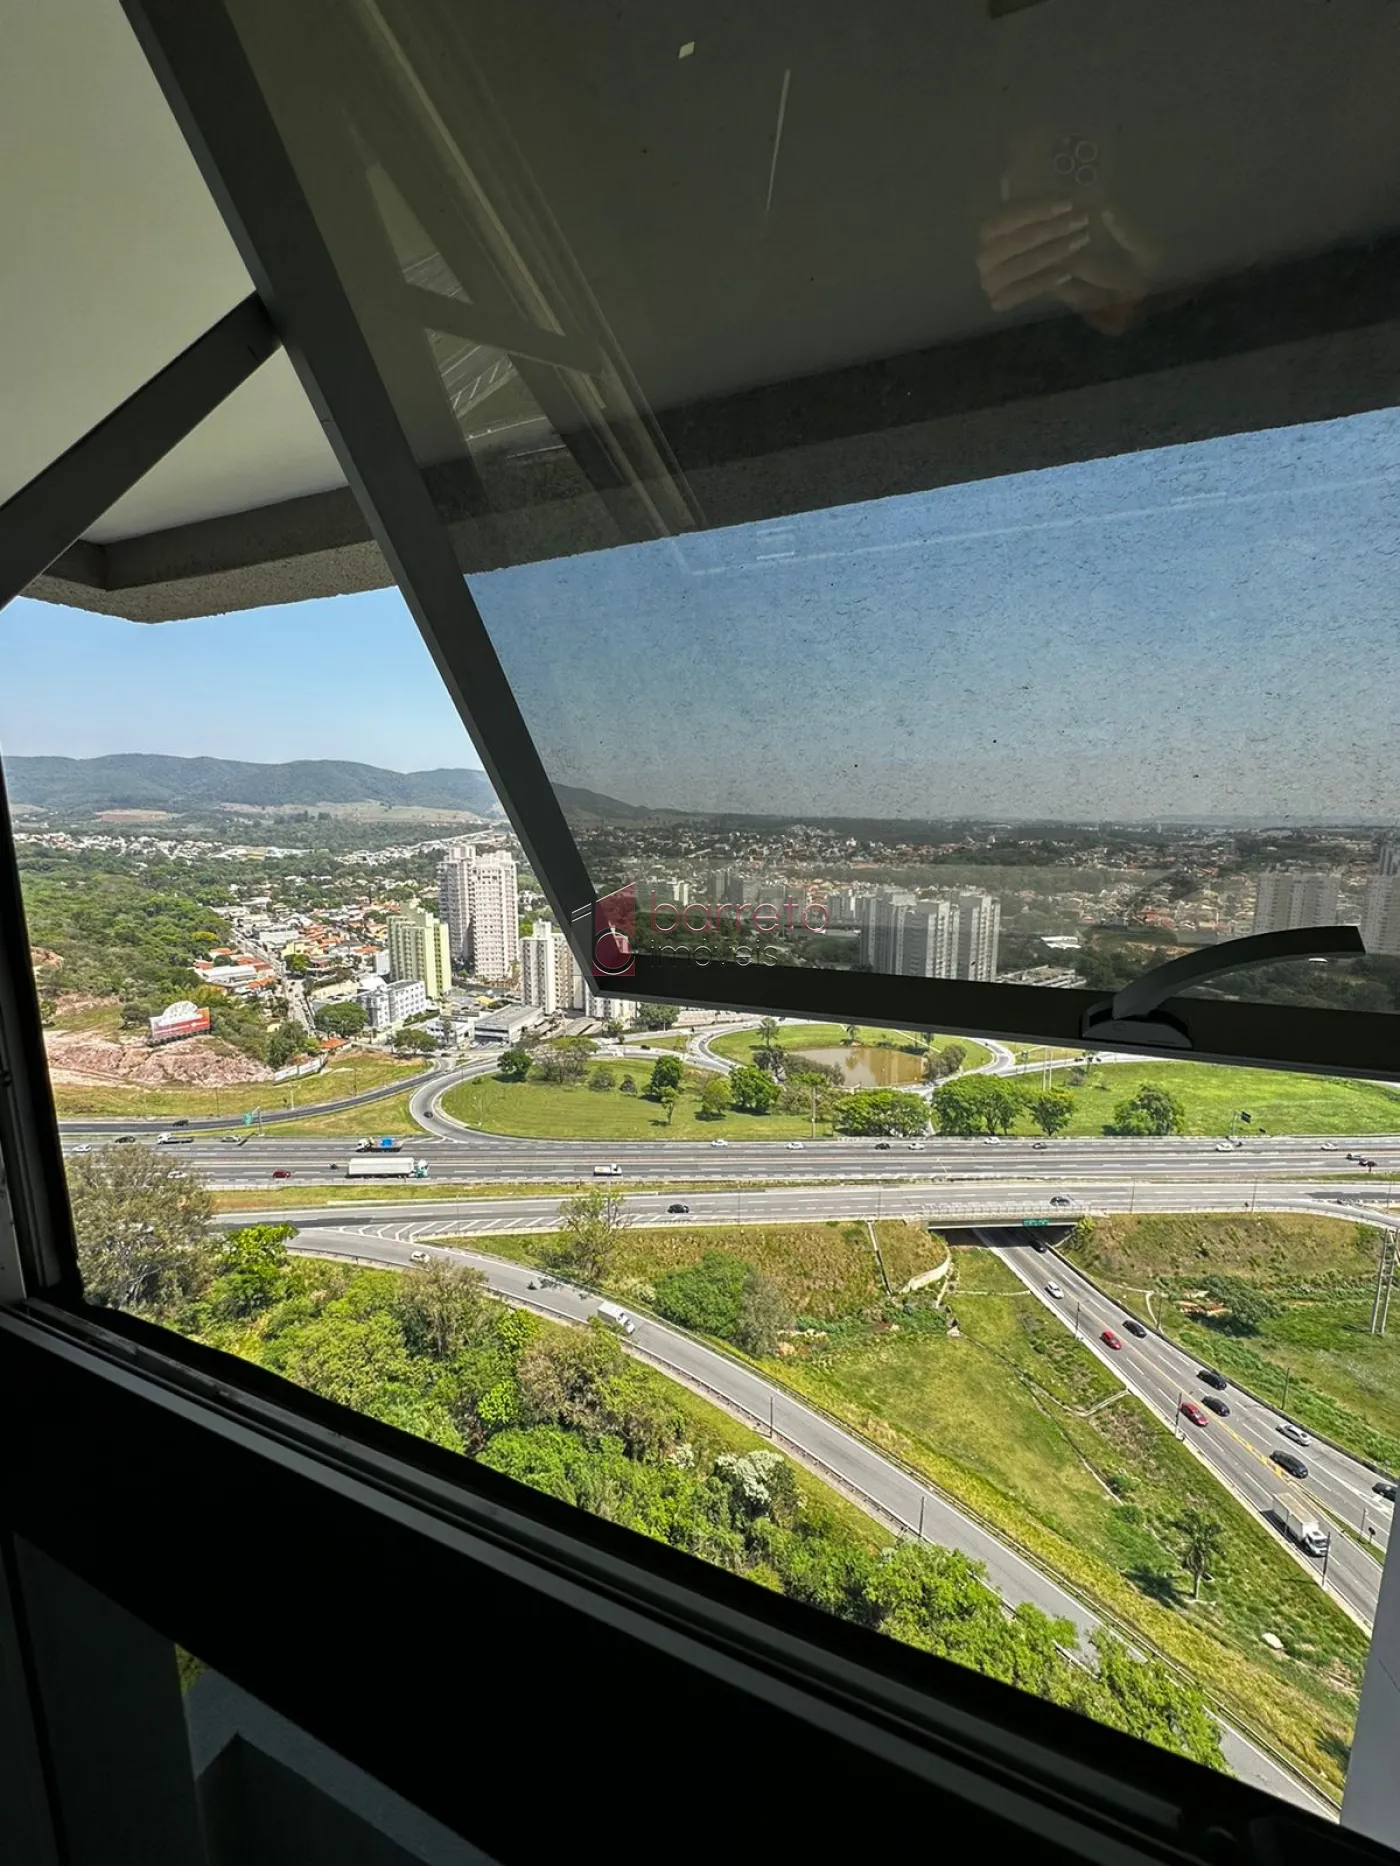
pixel 145 781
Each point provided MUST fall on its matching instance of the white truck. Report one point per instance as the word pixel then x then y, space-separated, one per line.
pixel 619 1318
pixel 611 1171
pixel 379 1165
pixel 1298 1523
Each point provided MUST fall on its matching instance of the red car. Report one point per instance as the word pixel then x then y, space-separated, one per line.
pixel 1109 1339
pixel 281 1173
pixel 1193 1412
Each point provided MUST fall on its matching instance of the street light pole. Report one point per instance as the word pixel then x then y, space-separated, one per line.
pixel 1076 1321
pixel 1177 1427
pixel 922 1501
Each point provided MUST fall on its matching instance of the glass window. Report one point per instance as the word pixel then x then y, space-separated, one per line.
pixel 868 663
pixel 336 1099
pixel 802 411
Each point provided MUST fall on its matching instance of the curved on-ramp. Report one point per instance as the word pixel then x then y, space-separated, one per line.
pixel 884 1488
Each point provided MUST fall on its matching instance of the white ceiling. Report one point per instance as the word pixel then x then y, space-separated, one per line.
pixel 116 258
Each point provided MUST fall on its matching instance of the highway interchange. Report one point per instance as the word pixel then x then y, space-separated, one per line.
pixel 989 1187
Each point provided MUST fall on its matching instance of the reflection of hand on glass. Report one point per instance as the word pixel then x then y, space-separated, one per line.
pixel 1108 279
pixel 1097 265
pixel 1026 251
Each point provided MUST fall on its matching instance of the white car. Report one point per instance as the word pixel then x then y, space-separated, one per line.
pixel 794 1146
pixel 991 1140
pixel 418 1256
pixel 1295 1432
pixel 719 1143
pixel 1053 1289
pixel 1329 1146
pixel 1223 1146
pixel 916 1146
pixel 84 1148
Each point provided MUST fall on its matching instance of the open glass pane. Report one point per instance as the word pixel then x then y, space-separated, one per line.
pixel 933 511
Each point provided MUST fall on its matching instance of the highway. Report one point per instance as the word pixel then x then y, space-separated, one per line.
pixel 1238 1449
pixel 885 1488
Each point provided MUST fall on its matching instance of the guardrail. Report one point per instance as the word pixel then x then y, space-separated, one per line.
pixel 1131 1636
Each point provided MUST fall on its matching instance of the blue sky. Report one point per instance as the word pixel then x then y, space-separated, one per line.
pixel 1203 630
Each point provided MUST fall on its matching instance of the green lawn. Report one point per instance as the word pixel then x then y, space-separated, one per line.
pixel 659 1040
pixel 1213 1095
pixel 546 1111
pixel 826 1272
pixel 1315 1354
pixel 739 1045
pixel 999 1417
pixel 390 1116
pixel 270 1197
pixel 345 1075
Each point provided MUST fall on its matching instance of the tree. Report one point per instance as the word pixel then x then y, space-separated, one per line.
pixel 1201 1540
pixel 851 1032
pixel 667 1072
pixel 141 1229
pixel 565 1060
pixel 657 1016
pixel 414 1042
pixel 614 1028
pixel 341 1020
pixel 764 1314
pixel 954 1056
pixel 252 1270
pixel 286 1043
pixel 714 1099
pixel 1153 1110
pixel 627 1086
pixel 769 1030
pixel 1246 1309
pixel 668 1097
pixel 297 964
pixel 589 1227
pixel 441 1307
pixel 1052 1110
pixel 751 1091
pixel 514 1065
pixel 976 1105
pixel 882 1111
pixel 601 1080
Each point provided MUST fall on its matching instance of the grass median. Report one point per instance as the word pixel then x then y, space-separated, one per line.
pixel 1307 1348
pixel 1019 1422
pixel 559 1111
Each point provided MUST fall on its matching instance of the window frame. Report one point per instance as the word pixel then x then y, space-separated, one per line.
pixel 207 79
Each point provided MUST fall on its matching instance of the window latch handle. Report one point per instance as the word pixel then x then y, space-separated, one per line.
pixel 1128 1017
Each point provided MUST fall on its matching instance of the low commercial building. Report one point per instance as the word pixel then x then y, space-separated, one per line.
pixel 504 1027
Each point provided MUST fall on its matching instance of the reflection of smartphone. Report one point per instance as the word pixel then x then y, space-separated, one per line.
pixel 1058 165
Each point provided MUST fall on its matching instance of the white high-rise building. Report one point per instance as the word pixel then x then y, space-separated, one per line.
pixel 495 916
pixel 1380 919
pixel 978 936
pixel 1286 899
pixel 539 967
pixel 927 942
pixel 454 897
pixel 1388 862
